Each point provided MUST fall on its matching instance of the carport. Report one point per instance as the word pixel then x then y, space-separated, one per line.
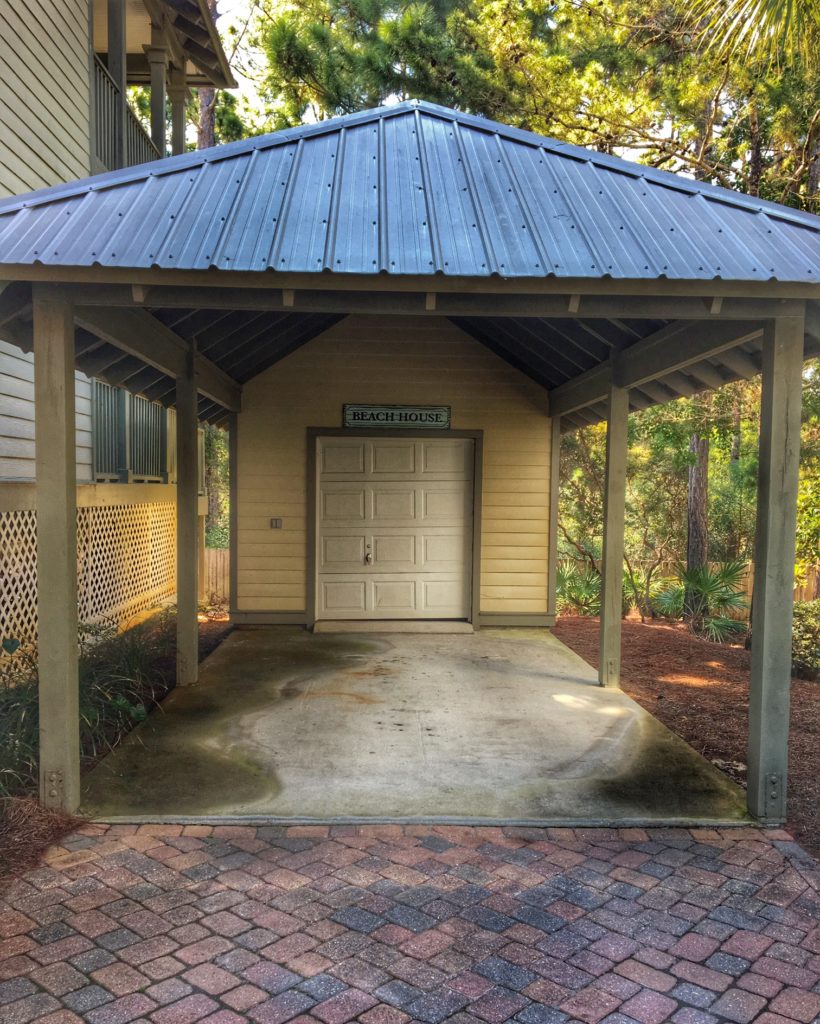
pixel 424 261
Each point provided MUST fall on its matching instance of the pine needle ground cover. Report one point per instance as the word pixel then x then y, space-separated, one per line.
pixel 700 690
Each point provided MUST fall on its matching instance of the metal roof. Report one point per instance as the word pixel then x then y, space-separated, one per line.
pixel 413 189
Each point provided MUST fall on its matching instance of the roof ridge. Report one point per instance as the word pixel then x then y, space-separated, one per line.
pixel 285 136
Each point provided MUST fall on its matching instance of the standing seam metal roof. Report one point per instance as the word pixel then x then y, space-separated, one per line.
pixel 413 189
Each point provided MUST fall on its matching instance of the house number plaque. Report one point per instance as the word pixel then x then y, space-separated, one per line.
pixel 398 417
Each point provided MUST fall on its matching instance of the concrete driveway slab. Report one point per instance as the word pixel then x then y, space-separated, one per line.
pixel 501 725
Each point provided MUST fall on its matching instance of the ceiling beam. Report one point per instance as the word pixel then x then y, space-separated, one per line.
pixel 15 300
pixel 678 345
pixel 740 363
pixel 138 333
pixel 661 355
pixel 581 391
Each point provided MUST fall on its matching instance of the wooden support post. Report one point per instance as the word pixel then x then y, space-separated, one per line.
pixel 774 568
pixel 178 94
pixel 116 62
pixel 55 454
pixel 612 561
pixel 157 56
pixel 552 538
pixel 187 525
pixel 233 514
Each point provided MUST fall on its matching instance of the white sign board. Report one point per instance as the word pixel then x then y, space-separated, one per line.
pixel 398 417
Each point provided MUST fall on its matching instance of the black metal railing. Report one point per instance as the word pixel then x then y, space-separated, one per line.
pixel 130 436
pixel 119 138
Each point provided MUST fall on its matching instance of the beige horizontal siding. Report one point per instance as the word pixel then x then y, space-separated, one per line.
pixel 17 417
pixel 392 360
pixel 44 93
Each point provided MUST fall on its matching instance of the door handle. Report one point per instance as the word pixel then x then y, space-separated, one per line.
pixel 368 558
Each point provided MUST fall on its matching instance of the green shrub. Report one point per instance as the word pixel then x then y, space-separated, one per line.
pixel 578 589
pixel 121 676
pixel 806 639
pixel 714 592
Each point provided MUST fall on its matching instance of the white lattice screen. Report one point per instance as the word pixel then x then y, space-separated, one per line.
pixel 126 563
pixel 18 574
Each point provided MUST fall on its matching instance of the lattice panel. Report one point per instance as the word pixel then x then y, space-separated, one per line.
pixel 126 563
pixel 126 559
pixel 18 574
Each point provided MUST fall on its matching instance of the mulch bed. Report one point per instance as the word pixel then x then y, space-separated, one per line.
pixel 700 690
pixel 27 829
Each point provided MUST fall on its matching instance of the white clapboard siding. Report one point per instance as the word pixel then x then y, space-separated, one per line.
pixel 44 93
pixel 17 417
pixel 392 360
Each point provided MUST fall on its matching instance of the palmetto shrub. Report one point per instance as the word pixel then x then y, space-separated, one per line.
pixel 703 596
pixel 578 589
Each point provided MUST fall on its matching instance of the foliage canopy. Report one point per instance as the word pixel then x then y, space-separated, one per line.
pixel 631 77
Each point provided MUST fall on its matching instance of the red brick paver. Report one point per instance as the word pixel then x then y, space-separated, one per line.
pixel 389 924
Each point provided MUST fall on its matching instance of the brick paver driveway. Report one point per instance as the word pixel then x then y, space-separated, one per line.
pixel 386 924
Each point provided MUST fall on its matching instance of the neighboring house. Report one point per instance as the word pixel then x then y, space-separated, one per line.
pixel 64 114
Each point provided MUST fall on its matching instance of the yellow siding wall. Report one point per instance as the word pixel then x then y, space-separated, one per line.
pixel 44 93
pixel 392 360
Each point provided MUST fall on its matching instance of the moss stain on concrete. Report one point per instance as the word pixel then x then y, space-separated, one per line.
pixel 185 754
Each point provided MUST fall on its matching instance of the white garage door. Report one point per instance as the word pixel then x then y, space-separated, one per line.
pixel 395 524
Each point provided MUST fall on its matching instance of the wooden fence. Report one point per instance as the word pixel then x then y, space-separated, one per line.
pixel 217 585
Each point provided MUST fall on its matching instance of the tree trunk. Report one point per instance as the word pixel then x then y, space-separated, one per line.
pixel 813 185
pixel 697 547
pixel 755 152
pixel 735 453
pixel 206 131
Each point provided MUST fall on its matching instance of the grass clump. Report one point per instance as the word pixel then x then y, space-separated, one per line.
pixel 122 675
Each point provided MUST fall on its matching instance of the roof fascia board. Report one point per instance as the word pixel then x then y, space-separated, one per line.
pixel 225 283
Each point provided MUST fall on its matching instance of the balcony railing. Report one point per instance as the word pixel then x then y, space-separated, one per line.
pixel 110 107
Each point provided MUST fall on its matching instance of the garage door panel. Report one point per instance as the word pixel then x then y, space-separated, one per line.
pixel 442 596
pixel 444 552
pixel 398 597
pixel 395 530
pixel 345 597
pixel 393 596
pixel 445 503
pixel 344 505
pixel 446 457
pixel 343 458
pixel 397 503
pixel 394 552
pixel 340 553
pixel 393 458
